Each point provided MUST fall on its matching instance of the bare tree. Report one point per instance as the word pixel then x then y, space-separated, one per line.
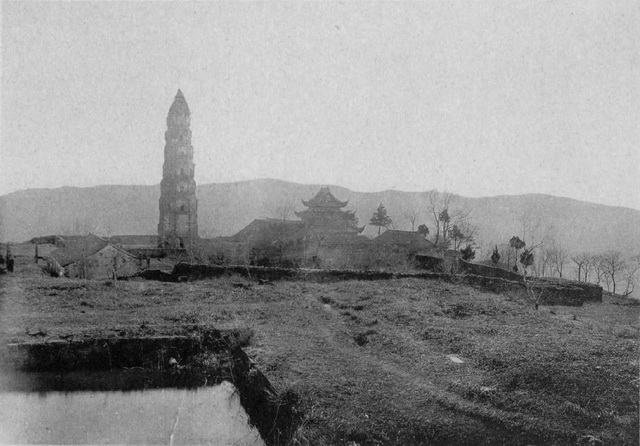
pixel 588 266
pixel 447 212
pixel 612 264
pixel 607 280
pixel 456 237
pixel 527 259
pixel 631 275
pixel 630 278
pixel 558 257
pixel 412 215
pixel 506 254
pixel 598 269
pixel 582 261
pixel 529 225
pixel 543 262
pixel 470 230
pixel 535 238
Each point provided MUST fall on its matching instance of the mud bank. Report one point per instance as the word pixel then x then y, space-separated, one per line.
pixel 552 291
pixel 186 272
pixel 205 358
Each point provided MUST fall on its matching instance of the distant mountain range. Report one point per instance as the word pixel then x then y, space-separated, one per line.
pixel 225 208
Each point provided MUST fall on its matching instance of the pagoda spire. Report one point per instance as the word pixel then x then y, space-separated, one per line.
pixel 179 113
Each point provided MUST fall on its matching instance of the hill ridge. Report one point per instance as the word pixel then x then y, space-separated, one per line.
pixel 225 208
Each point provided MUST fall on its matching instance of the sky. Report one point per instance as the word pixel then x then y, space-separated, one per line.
pixel 475 98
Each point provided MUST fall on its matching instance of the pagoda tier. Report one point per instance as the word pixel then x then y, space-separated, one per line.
pixel 325 199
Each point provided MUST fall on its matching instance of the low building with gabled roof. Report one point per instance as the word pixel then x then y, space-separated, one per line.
pixel 92 257
pixel 407 241
pixel 134 241
pixel 270 228
pixel 267 241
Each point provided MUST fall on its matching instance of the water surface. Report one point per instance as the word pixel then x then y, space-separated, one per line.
pixel 206 415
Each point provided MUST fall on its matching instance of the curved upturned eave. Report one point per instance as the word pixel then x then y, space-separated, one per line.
pixel 328 205
pixel 325 199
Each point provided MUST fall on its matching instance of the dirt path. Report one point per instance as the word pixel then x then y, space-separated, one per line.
pixel 12 306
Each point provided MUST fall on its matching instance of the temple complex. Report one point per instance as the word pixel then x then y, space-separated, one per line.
pixel 325 235
pixel 178 225
pixel 325 215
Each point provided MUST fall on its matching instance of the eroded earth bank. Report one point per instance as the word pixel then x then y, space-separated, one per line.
pixel 393 362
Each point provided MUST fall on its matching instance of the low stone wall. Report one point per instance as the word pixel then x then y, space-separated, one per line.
pixel 560 295
pixel 111 353
pixel 493 284
pixel 431 263
pixel 155 274
pixel 488 271
pixel 554 291
pixel 185 271
pixel 587 292
pixel 551 293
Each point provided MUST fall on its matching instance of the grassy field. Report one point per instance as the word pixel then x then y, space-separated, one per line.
pixel 372 361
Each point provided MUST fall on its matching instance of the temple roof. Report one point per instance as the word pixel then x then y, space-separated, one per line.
pixel 325 199
pixel 270 228
pixel 179 105
pixel 79 249
pixel 407 239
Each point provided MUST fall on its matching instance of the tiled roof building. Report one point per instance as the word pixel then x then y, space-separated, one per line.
pixel 408 241
pixel 92 257
pixel 325 215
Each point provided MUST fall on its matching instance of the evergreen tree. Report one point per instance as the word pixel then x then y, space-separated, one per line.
pixel 516 244
pixel 380 218
pixel 495 256
pixel 468 253
pixel 423 230
pixel 526 258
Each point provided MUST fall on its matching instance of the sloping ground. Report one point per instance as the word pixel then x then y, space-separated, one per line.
pixel 370 359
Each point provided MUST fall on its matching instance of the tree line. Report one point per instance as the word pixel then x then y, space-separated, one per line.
pixel 453 225
pixel 532 251
pixel 610 269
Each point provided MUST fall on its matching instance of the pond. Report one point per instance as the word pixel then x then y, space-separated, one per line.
pixel 204 415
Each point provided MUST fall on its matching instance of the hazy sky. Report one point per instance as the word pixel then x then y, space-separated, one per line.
pixel 477 98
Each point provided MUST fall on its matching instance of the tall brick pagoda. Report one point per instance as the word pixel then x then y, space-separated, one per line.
pixel 178 226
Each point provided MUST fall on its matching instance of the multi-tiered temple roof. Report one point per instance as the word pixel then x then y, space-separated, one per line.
pixel 325 199
pixel 325 215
